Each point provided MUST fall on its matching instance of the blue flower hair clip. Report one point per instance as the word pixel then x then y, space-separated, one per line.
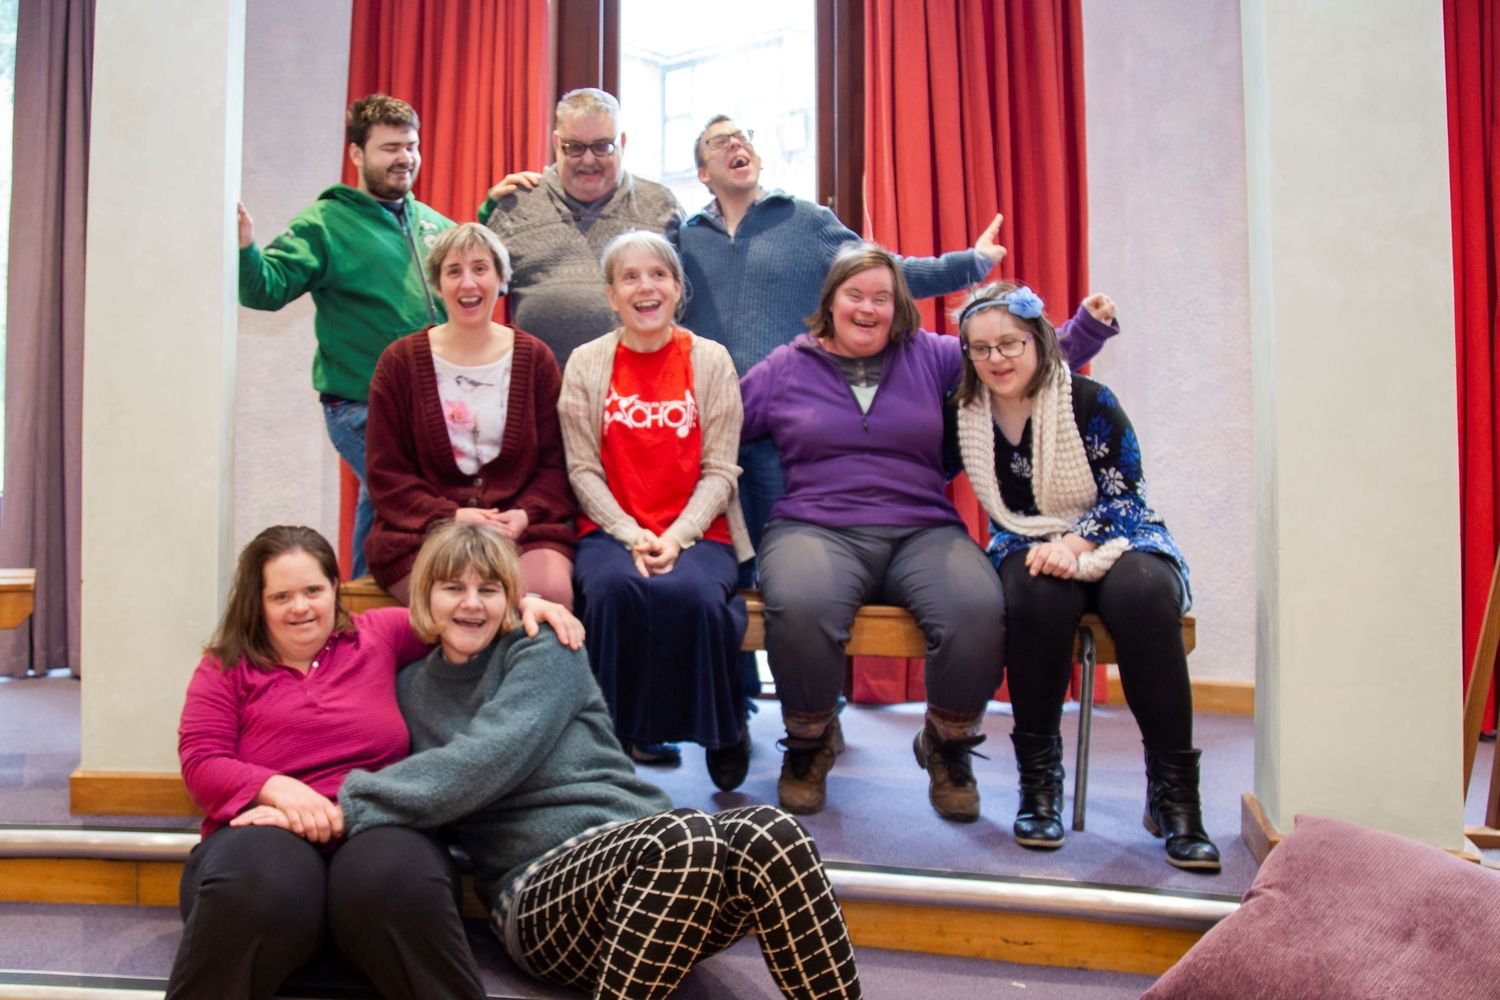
pixel 1022 302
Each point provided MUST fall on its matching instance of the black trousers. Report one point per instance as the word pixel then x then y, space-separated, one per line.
pixel 1140 601
pixel 259 902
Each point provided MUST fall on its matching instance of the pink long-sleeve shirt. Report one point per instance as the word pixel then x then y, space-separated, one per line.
pixel 242 726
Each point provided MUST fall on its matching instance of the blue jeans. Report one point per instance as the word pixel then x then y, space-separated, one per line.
pixel 346 429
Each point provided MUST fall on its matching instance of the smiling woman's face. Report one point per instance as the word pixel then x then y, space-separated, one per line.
pixel 863 309
pixel 644 292
pixel 468 612
pixel 298 602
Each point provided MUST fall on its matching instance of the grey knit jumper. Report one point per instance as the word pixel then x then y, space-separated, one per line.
pixel 555 244
pixel 514 749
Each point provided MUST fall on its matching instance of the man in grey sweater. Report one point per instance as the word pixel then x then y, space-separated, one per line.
pixel 556 224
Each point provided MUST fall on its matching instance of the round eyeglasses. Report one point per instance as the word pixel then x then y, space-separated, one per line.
pixel 573 149
pixel 1010 347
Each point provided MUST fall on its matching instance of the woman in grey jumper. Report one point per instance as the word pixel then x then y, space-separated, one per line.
pixel 590 880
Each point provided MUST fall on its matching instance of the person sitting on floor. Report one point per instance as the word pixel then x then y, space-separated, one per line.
pixel 592 882
pixel 463 424
pixel 1055 463
pixel 291 694
pixel 651 421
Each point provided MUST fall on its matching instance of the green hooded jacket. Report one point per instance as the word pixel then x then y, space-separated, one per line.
pixel 365 273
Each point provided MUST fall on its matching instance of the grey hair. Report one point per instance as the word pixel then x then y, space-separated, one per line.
pixel 654 244
pixel 588 101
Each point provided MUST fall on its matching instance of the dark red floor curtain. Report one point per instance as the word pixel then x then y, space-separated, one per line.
pixel 974 107
pixel 477 74
pixel 1472 29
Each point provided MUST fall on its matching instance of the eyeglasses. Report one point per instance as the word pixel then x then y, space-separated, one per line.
pixel 1010 347
pixel 601 148
pixel 721 141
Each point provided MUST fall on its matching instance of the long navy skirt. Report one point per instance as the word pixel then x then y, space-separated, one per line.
pixel 665 649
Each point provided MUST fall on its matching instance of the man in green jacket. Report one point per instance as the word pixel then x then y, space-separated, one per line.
pixel 359 251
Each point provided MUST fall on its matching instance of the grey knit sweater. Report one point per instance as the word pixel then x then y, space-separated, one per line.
pixel 555 244
pixel 514 749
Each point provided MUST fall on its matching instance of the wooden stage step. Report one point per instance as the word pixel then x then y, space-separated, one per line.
pixel 1027 921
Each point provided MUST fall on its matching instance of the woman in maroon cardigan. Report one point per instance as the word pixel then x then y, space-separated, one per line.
pixel 463 425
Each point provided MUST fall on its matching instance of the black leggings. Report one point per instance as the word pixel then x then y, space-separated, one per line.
pixel 257 902
pixel 627 912
pixel 1140 601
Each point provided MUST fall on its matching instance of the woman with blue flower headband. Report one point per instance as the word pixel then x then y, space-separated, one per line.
pixel 1056 465
pixel 855 409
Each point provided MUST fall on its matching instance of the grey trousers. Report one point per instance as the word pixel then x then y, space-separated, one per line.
pixel 814 579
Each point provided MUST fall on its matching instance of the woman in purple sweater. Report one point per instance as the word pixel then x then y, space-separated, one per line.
pixel 854 406
pixel 463 425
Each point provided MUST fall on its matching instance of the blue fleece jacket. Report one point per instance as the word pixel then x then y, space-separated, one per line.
pixel 752 291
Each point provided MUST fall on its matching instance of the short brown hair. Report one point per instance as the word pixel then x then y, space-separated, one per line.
pixel 450 550
pixel 466 236
pixel 1044 338
pixel 377 109
pixel 854 259
pixel 242 634
pixel 698 157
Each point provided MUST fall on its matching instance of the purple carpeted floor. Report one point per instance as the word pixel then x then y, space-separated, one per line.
pixel 877 814
pixel 878 811
pixel 139 943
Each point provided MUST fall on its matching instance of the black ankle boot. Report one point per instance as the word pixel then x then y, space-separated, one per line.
pixel 1039 763
pixel 1173 810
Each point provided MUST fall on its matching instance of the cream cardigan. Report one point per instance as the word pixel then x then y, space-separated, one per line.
pixel 716 389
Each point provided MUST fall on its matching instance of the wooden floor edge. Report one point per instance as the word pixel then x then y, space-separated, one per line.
pixel 1209 694
pixel 1025 938
pixel 129 793
pixel 1256 829
pixel 1261 835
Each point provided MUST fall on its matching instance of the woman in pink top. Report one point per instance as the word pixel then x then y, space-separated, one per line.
pixel 291 695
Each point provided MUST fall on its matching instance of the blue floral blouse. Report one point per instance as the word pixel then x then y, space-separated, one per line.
pixel 1114 454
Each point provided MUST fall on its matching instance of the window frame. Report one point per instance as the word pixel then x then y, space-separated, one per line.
pixel 586 53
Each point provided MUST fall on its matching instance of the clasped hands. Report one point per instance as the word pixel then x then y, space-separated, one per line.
pixel 510 523
pixel 1058 558
pixel 288 803
pixel 654 554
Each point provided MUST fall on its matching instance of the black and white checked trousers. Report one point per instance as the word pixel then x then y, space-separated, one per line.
pixel 627 911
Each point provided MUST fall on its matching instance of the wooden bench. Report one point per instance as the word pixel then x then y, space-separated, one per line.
pixel 888 630
pixel 17 596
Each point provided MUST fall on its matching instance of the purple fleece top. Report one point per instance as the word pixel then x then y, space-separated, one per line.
pixel 884 467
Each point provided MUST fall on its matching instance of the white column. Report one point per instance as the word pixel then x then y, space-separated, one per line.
pixel 296 79
pixel 1357 672
pixel 158 375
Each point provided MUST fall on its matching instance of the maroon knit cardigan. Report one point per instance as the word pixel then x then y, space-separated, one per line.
pixel 409 466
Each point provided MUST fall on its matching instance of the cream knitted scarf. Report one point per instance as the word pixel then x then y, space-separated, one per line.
pixel 1061 480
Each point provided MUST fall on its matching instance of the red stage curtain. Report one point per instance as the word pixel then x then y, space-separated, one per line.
pixel 977 110
pixel 1472 29
pixel 477 76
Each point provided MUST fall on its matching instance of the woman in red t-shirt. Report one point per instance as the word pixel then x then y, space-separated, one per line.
pixel 651 424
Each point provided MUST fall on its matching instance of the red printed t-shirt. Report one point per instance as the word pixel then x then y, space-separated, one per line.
pixel 652 441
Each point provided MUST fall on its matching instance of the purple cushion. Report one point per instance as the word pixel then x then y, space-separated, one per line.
pixel 1338 911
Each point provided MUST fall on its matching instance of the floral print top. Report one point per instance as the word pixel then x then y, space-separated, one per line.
pixel 475 401
pixel 1114 455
